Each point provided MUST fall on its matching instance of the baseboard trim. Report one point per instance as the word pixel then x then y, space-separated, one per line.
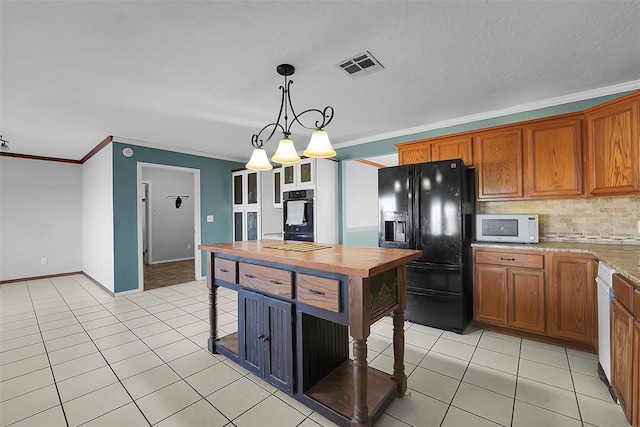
pixel 164 261
pixel 47 276
pixel 100 285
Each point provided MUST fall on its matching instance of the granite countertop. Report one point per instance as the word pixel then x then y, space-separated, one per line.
pixel 625 259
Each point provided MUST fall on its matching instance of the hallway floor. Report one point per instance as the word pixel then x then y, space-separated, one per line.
pixel 70 354
pixel 168 273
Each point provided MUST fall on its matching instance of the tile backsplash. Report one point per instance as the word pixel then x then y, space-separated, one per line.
pixel 594 220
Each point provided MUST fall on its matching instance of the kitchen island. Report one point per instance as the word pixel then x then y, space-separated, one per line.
pixel 298 302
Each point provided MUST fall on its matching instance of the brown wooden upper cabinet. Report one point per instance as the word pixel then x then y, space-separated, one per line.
pixel 457 147
pixel 553 158
pixel 612 143
pixel 498 158
pixel 414 152
pixel 446 148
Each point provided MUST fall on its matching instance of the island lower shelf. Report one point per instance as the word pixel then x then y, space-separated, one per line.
pixel 336 390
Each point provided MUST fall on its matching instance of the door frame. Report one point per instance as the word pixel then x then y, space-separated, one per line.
pixel 197 236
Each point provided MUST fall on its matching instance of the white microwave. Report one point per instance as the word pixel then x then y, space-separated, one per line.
pixel 511 228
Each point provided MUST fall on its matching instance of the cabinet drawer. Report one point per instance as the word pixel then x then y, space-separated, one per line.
pixel 266 279
pixel 510 259
pixel 623 291
pixel 319 292
pixel 224 269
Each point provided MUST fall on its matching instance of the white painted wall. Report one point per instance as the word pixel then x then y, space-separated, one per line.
pixel 97 217
pixel 172 230
pixel 361 198
pixel 40 217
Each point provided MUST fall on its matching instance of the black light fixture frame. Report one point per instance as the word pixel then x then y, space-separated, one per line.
pixel 326 114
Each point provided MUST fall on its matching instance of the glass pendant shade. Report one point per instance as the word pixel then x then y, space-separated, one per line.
pixel 259 161
pixel 286 153
pixel 319 146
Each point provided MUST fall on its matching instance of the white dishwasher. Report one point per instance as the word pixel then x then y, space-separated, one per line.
pixel 604 281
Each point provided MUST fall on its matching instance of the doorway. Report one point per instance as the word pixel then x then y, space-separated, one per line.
pixel 168 229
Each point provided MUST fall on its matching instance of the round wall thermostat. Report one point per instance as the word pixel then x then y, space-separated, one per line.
pixel 127 152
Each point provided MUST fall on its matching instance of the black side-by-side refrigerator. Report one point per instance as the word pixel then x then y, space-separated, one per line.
pixel 430 207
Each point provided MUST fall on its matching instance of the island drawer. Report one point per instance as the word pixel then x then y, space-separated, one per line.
pixel 623 291
pixel 224 269
pixel 512 259
pixel 266 279
pixel 319 292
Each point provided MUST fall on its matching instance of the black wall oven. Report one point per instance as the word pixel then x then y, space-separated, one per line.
pixel 298 215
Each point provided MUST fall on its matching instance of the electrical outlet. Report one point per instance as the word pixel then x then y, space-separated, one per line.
pixel 189 246
pixel 43 261
pixel 209 218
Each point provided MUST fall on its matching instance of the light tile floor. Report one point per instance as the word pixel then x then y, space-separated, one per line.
pixel 72 355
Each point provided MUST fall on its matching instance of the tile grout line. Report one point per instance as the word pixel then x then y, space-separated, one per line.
pixel 53 375
pixel 106 361
pixel 515 390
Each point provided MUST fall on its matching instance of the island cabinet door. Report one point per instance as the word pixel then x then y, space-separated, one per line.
pixel 265 338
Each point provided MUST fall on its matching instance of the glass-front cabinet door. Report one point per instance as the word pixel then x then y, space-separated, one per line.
pixel 246 205
pixel 253 188
pixel 277 188
pixel 238 188
pixel 306 172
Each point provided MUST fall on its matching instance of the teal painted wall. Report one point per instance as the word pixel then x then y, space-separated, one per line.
pixel 215 199
pixel 368 237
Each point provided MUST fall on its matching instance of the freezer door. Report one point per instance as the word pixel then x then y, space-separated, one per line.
pixel 436 277
pixel 395 188
pixel 438 205
pixel 438 310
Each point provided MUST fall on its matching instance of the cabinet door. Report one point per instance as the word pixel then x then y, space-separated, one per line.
pixel 238 188
pixel 622 356
pixel 278 366
pixel 253 188
pixel 526 299
pixel 306 173
pixel 277 188
pixel 490 294
pixel 251 331
pixel 572 299
pixel 289 176
pixel 453 148
pixel 418 152
pixel 498 158
pixel 612 149
pixel 553 152
pixel 238 225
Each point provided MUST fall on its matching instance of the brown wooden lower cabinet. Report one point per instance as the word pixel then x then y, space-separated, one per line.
pixel 622 356
pixel 507 295
pixel 636 374
pixel 549 296
pixel 573 299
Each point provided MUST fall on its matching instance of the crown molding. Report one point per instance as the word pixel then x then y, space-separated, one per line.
pixel 146 144
pixel 531 106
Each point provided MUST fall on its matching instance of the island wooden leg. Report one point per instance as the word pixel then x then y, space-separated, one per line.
pixel 398 333
pixel 360 382
pixel 398 352
pixel 213 305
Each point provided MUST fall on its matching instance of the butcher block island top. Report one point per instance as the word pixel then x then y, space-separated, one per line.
pixel 298 302
pixel 357 260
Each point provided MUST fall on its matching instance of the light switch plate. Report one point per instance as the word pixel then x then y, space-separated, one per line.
pixel 209 218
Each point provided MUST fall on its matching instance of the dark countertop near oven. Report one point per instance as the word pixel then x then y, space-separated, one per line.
pixel 625 259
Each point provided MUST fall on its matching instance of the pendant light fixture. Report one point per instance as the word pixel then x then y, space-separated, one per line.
pixel 286 154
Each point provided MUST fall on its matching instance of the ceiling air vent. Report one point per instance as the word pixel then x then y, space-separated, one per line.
pixel 360 65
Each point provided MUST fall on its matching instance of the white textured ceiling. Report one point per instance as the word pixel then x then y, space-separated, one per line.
pixel 200 75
